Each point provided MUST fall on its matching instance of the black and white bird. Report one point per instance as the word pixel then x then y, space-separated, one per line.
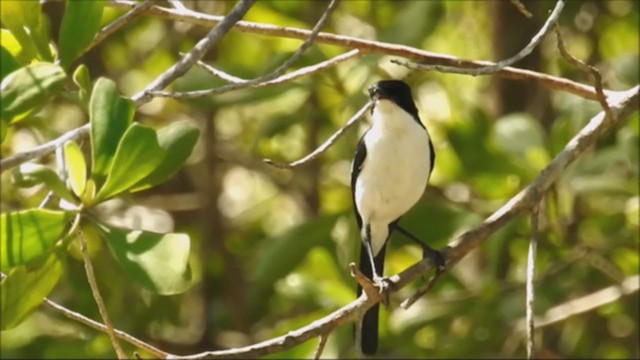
pixel 389 173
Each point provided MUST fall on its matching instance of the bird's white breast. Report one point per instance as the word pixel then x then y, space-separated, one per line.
pixel 395 170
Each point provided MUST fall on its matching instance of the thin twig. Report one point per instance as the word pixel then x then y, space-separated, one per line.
pixel 491 69
pixel 406 304
pixel 118 23
pixel 370 46
pixel 262 79
pixel 91 277
pixel 186 62
pixel 322 341
pixel 589 69
pixel 531 261
pixel 523 10
pixel 325 145
pixel 100 327
pixel 457 249
pixel 304 71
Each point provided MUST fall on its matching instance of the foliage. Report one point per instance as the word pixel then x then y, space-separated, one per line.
pixel 248 252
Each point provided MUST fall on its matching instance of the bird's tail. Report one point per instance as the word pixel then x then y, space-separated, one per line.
pixel 369 327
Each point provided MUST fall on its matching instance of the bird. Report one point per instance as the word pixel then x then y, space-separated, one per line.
pixel 389 173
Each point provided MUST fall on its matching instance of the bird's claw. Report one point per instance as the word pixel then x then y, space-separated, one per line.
pixel 382 283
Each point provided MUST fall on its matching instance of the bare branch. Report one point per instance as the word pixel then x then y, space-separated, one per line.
pixel 531 263
pixel 262 79
pixel 589 302
pixel 322 148
pixel 322 341
pixel 457 249
pixel 597 77
pixel 523 10
pixel 100 327
pixel 369 46
pixel 91 277
pixel 490 69
pixel 307 70
pixel 118 23
pixel 186 62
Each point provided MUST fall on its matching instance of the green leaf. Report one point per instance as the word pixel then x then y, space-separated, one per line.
pixel 28 88
pixel 11 44
pixel 285 252
pixel 177 140
pixel 80 23
pixel 137 156
pixel 25 21
pixel 81 77
pixel 76 167
pixel 25 235
pixel 8 63
pixel 158 262
pixel 110 116
pixel 23 290
pixel 30 174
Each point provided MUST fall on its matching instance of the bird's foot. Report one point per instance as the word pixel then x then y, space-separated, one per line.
pixel 382 283
pixel 435 257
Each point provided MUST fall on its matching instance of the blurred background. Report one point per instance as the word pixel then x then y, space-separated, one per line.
pixel 270 247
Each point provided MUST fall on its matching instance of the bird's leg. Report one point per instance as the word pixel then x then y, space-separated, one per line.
pixel 427 251
pixel 379 281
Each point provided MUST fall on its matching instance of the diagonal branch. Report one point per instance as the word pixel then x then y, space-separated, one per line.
pixel 490 69
pixel 262 79
pixel 458 248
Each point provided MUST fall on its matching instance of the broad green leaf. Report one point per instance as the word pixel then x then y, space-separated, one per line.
pixel 177 140
pixel 30 174
pixel 28 234
pixel 24 289
pixel 11 44
pixel 285 252
pixel 25 21
pixel 80 23
pixel 28 88
pixel 110 116
pixel 137 156
pixel 8 63
pixel 158 262
pixel 76 167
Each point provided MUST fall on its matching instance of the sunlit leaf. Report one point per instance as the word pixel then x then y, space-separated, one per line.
pixel 158 262
pixel 137 156
pixel 110 116
pixel 28 234
pixel 24 288
pixel 177 140
pixel 76 167
pixel 28 88
pixel 80 23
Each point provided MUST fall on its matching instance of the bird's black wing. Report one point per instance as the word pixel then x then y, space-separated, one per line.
pixel 433 157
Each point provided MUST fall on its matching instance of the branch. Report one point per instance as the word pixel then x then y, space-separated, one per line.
pixel 490 69
pixel 91 277
pixel 589 302
pixel 330 141
pixel 262 79
pixel 368 46
pixel 458 248
pixel 597 77
pixel 531 264
pixel 307 70
pixel 118 23
pixel 100 327
pixel 186 62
